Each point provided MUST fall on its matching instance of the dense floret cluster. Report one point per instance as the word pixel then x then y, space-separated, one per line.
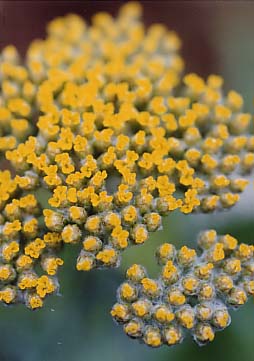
pixel 28 260
pixel 192 295
pixel 103 120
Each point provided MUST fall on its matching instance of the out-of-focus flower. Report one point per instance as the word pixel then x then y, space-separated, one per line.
pixel 193 294
pixel 17 93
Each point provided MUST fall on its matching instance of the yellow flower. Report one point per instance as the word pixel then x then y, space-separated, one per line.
pixel 193 293
pixel 103 119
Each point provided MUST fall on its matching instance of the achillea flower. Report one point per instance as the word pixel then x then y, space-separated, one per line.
pixel 78 58
pixel 23 247
pixel 193 294
pixel 79 137
pixel 17 93
pixel 102 117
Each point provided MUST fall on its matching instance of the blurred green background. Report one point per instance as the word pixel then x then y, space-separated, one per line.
pixel 218 37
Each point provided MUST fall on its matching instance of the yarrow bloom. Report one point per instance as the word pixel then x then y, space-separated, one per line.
pixel 22 248
pixel 103 119
pixel 192 295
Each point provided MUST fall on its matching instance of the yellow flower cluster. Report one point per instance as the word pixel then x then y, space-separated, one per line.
pixel 28 261
pixel 102 117
pixel 17 93
pixel 192 295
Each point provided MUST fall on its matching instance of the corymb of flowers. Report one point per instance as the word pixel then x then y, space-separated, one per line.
pixel 104 120
pixel 193 293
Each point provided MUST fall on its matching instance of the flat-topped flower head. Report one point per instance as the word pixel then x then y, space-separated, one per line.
pixel 103 118
pixel 83 116
pixel 193 294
